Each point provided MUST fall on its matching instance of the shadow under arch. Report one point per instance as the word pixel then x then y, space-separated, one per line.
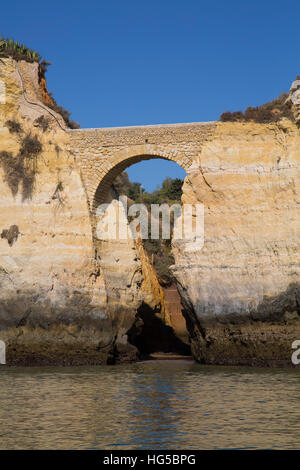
pixel 126 158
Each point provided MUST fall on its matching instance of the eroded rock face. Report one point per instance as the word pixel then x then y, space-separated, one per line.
pixel 66 298
pixel 129 281
pixel 295 99
pixel 62 299
pixel 241 291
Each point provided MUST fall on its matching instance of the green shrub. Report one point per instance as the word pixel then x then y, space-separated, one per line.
pixel 43 67
pixel 269 112
pixel 170 192
pixel 16 50
pixel 232 117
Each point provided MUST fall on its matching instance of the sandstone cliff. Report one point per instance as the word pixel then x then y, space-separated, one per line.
pixel 62 299
pixel 241 291
pixel 67 298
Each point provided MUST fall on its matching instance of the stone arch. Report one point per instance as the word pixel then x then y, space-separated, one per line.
pixel 127 157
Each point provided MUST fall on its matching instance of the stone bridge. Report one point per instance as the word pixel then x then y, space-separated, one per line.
pixel 102 154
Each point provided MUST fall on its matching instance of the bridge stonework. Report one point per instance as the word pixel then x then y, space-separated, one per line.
pixel 102 154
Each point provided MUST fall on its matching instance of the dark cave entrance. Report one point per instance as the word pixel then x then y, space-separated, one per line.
pixel 154 339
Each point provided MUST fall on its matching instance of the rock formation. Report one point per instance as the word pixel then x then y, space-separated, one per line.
pixel 63 299
pixel 295 99
pixel 241 291
pixel 67 298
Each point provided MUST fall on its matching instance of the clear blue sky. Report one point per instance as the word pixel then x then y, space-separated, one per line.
pixel 118 63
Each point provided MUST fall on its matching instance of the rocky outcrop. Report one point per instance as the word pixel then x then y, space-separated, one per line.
pixel 63 299
pixel 241 291
pixel 294 96
pixel 68 298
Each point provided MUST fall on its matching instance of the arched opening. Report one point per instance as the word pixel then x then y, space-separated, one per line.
pixel 126 158
pixel 158 328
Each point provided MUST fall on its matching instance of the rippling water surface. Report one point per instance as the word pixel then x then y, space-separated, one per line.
pixel 150 405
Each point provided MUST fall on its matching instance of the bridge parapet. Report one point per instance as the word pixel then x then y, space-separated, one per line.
pixel 102 154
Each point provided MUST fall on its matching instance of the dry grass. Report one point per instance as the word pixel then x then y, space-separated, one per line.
pixel 269 112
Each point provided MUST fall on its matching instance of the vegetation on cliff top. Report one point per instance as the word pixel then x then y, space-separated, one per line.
pixel 16 50
pixel 169 192
pixel 269 112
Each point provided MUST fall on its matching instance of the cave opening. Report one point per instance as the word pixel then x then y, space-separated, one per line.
pixel 155 339
pixel 154 334
pixel 159 330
